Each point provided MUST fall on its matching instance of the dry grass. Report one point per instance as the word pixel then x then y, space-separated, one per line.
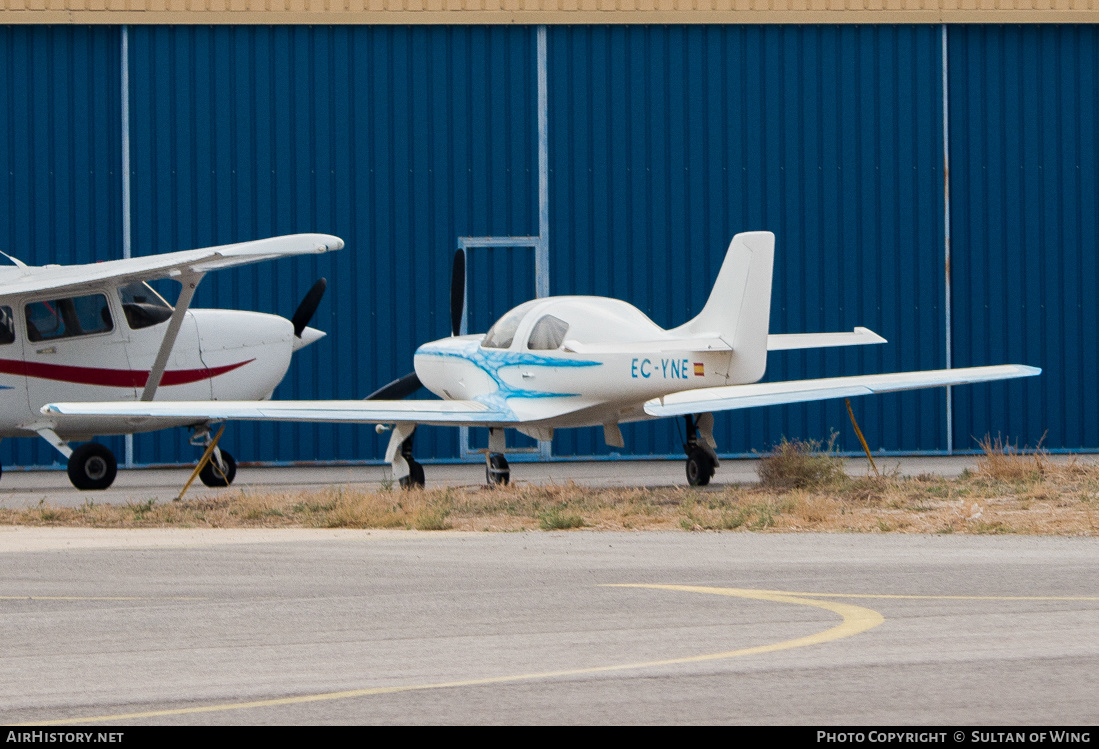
pixel 802 464
pixel 1012 491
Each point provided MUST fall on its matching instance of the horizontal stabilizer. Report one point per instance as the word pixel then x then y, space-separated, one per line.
pixel 790 341
pixel 731 397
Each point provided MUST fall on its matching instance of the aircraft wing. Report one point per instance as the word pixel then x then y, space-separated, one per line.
pixel 733 397
pixel 473 413
pixel 433 412
pixel 73 278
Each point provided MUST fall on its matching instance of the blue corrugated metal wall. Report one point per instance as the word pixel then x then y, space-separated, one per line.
pixel 667 141
pixel 396 139
pixel 664 141
pixel 60 158
pixel 1024 105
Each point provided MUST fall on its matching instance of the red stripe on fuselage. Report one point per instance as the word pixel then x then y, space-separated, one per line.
pixel 116 378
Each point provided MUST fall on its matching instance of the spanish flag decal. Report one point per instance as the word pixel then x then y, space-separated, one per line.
pixel 700 370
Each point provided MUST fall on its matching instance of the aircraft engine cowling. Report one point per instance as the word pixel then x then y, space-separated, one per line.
pixel 246 353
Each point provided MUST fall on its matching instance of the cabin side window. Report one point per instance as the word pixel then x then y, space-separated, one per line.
pixel 66 318
pixel 143 306
pixel 7 326
pixel 548 334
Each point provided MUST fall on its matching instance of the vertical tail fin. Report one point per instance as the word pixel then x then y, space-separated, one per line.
pixel 739 308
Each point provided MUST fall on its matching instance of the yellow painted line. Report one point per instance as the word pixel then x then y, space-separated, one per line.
pixel 856 619
pixel 936 598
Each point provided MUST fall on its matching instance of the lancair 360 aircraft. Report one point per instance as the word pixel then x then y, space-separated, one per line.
pixel 576 361
pixel 100 333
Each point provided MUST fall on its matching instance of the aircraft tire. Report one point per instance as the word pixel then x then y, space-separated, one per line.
pixel 92 467
pixel 415 478
pixel 497 472
pixel 700 467
pixel 213 478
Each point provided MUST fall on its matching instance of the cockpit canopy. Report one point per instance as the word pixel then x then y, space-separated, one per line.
pixel 543 324
pixel 502 334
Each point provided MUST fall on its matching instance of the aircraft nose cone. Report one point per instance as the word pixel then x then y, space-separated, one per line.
pixel 307 337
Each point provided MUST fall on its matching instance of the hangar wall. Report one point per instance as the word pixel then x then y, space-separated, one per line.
pixel 664 141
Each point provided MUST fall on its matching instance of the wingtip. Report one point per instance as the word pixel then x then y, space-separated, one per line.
pixel 323 242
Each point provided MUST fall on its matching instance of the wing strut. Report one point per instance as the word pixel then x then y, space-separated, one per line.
pixel 190 283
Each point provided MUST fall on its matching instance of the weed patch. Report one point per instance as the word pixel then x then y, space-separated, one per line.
pixel 557 519
pixel 802 464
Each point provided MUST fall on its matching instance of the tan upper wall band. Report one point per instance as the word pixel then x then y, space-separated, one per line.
pixel 411 12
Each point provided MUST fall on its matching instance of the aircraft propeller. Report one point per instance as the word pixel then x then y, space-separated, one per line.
pixel 405 386
pixel 400 388
pixel 304 313
pixel 457 291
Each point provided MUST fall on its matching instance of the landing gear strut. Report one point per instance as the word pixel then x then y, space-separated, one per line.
pixel 497 471
pixel 701 458
pixel 409 473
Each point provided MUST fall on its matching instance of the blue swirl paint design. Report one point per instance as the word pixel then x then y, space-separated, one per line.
pixel 491 361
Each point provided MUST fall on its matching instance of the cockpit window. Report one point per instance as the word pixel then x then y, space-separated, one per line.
pixel 502 333
pixel 65 318
pixel 548 334
pixel 143 306
pixel 7 325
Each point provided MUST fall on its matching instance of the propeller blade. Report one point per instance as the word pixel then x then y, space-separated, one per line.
pixel 396 390
pixel 457 291
pixel 304 313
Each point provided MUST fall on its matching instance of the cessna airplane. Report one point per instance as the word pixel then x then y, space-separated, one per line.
pixel 100 333
pixel 576 361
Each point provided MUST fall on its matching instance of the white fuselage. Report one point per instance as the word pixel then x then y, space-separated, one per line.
pixel 609 361
pixel 218 355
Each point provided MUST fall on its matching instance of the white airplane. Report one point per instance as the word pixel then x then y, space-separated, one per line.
pixel 577 361
pixel 99 332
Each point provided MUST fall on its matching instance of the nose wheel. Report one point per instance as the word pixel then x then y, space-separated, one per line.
pixel 415 478
pixel 220 470
pixel 497 471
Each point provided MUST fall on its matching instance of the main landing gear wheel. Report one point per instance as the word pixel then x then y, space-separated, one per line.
pixel 700 467
pixel 219 476
pixel 415 478
pixel 497 472
pixel 92 467
pixel 701 459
